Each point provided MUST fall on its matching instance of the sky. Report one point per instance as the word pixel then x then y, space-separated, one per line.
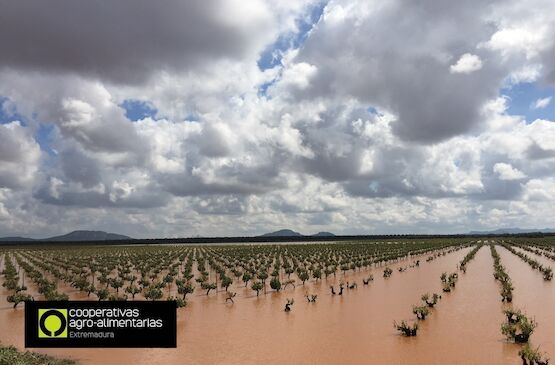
pixel 228 117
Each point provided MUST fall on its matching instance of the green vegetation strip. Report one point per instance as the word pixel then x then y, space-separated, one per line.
pixel 469 257
pixel 173 272
pixel 546 271
pixel 517 327
pixel 501 275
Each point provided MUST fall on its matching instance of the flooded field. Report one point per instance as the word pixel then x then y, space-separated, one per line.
pixel 354 328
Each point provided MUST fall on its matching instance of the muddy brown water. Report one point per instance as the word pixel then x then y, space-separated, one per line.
pixel 534 296
pixel 355 328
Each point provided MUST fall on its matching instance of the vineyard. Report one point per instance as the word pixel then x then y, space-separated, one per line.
pixel 173 272
pixel 285 281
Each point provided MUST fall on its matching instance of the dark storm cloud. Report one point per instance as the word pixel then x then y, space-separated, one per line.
pixel 144 198
pixel 80 168
pixel 496 189
pixel 231 180
pixel 337 148
pixel 123 40
pixel 397 172
pixel 549 64
pixel 536 152
pixel 182 185
pixel 212 142
pixel 333 167
pixel 337 155
pixel 11 149
pixel 399 56
pixel 435 105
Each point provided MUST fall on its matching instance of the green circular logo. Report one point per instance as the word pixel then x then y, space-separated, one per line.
pixel 52 323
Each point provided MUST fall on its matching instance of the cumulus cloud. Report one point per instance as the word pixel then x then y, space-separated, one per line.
pixel 517 40
pixel 298 75
pixel 362 123
pixel 468 63
pixel 19 156
pixel 409 75
pixel 126 41
pixel 523 33
pixel 542 190
pixel 507 172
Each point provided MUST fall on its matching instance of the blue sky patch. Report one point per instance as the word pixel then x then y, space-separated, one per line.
pixel 44 138
pixel 372 110
pixel 271 57
pixel 192 117
pixel 264 88
pixel 523 97
pixel 8 113
pixel 138 109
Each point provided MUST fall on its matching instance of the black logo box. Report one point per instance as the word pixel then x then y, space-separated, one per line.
pixel 164 336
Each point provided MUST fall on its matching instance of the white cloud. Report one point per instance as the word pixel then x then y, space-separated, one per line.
pixel 513 40
pixel 528 73
pixel 507 172
pixel 296 76
pixel 19 156
pixel 540 190
pixel 468 63
pixel 541 103
pixel 353 134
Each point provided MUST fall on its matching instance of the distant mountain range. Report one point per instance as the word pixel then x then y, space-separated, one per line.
pixel 13 239
pixel 290 233
pixel 78 236
pixel 73 236
pixel 514 231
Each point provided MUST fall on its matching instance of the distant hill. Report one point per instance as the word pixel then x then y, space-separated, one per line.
pixel 323 234
pixel 88 236
pixel 291 233
pixel 282 233
pixel 15 239
pixel 73 236
pixel 513 231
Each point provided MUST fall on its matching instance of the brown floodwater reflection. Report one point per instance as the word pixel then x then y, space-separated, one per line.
pixel 355 328
pixel 534 296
